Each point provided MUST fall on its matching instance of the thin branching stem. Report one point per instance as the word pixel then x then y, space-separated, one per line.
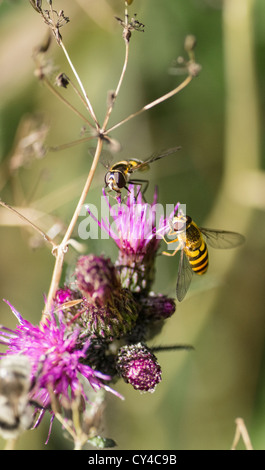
pixel 80 96
pixel 153 103
pixel 89 105
pixel 58 95
pixel 70 144
pixel 109 111
pixel 28 222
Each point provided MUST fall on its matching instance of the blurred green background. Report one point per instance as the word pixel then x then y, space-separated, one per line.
pixel 218 120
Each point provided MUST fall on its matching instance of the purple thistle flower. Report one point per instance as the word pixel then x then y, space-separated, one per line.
pixel 135 232
pixel 135 223
pixel 63 295
pixel 56 356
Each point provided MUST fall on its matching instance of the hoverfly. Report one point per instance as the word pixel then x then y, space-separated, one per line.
pixel 194 251
pixel 16 414
pixel 119 174
pixel 17 408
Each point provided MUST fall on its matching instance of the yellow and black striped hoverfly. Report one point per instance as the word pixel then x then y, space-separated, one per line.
pixel 194 252
pixel 118 175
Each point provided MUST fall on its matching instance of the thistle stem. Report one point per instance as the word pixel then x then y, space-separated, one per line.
pixel 62 248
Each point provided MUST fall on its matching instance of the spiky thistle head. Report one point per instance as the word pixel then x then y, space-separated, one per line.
pixel 134 226
pixel 56 357
pixel 109 310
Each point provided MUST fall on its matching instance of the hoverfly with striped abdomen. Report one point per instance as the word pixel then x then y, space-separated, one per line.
pixel 194 251
pixel 119 174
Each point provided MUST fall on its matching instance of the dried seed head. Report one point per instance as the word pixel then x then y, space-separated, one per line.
pixel 194 68
pixel 190 43
pixel 62 80
pixel 36 5
pixel 129 26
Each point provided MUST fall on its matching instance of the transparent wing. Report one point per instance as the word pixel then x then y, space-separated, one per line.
pixel 184 277
pixel 156 156
pixel 106 157
pixel 222 239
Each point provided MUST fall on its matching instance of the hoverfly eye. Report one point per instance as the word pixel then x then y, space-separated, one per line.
pixel 179 225
pixel 120 180
pixel 107 178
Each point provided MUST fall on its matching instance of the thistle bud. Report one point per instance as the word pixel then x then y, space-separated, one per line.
pixel 109 309
pixel 138 366
pixel 96 278
pixel 157 307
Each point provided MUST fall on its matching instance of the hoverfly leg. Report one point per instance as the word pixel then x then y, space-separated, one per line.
pixel 117 197
pixel 179 247
pixel 140 183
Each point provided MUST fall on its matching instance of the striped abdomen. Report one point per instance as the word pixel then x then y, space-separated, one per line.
pixel 196 250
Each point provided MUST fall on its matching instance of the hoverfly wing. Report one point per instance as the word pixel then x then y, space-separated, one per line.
pixel 105 158
pixel 164 153
pixel 184 277
pixel 222 239
pixel 156 156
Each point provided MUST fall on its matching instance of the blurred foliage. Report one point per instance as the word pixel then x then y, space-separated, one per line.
pixel 218 121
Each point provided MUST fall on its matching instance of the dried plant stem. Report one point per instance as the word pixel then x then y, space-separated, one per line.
pixel 62 248
pixel 154 103
pixel 35 227
pixel 65 424
pixel 89 105
pixel 73 143
pixel 78 437
pixel 241 430
pixel 109 111
pixel 10 444
pixel 58 95
pixel 77 92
